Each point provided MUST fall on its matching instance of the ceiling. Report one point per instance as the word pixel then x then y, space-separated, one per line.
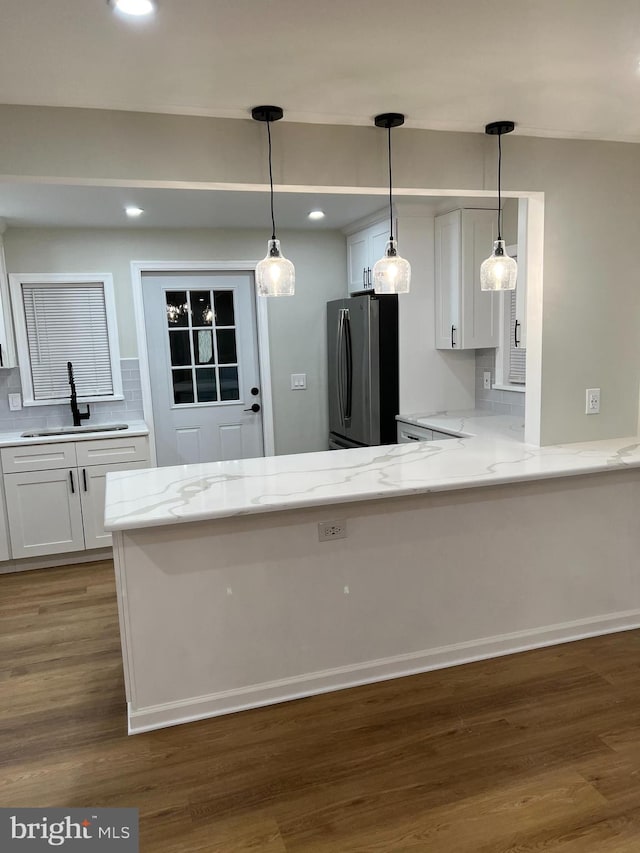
pixel 41 205
pixel 556 67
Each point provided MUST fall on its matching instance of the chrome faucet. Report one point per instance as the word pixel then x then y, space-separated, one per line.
pixel 78 416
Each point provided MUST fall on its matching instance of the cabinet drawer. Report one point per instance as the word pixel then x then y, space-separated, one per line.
pixel 38 457
pixel 408 433
pixel 109 451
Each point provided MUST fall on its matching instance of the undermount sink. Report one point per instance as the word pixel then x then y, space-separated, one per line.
pixel 72 430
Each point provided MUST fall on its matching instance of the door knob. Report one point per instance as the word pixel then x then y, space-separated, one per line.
pixel 255 408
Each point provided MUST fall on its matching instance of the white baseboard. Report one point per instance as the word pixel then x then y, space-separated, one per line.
pixel 384 669
pixel 30 564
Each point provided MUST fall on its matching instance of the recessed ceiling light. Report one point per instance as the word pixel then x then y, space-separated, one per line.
pixel 316 214
pixel 134 7
pixel 133 212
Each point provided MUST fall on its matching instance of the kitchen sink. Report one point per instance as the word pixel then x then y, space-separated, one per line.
pixel 73 430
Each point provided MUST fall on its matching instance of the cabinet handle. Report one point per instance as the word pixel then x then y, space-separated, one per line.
pixel 516 339
pixel 364 276
pixel 1 357
pixel 84 479
pixel 453 343
pixel 73 485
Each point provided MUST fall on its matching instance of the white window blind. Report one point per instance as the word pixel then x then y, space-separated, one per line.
pixel 517 355
pixel 68 322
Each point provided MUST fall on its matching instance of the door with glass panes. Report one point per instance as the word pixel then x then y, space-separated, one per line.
pixel 203 364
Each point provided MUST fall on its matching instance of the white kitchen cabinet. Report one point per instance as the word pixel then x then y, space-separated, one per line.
pixel 408 432
pixel 45 516
pixel 364 248
pixel 7 342
pixel 466 316
pixel 93 481
pixel 55 492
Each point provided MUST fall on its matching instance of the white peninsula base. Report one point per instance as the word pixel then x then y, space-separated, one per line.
pixel 232 613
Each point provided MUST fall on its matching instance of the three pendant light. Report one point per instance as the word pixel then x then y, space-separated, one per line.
pixel 275 275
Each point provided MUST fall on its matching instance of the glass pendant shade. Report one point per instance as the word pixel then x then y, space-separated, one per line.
pixel 391 274
pixel 275 275
pixel 498 272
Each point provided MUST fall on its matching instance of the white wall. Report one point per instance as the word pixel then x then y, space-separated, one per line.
pixel 296 326
pixel 591 302
pixel 431 380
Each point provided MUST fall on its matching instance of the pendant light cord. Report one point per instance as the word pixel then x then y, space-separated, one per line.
pixel 499 186
pixel 390 188
pixel 273 220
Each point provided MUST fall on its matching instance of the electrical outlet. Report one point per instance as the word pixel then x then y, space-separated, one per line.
pixel 486 380
pixel 332 530
pixel 15 402
pixel 593 401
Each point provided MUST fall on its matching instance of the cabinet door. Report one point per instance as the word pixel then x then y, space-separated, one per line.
pixel 448 238
pixel 357 260
pixel 480 309
pixel 44 512
pixel 378 239
pixel 92 484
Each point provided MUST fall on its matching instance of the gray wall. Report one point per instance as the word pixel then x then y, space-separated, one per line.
pixel 591 302
pixel 296 326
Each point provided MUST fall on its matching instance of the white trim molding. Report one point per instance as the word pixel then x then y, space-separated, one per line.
pixel 138 268
pixel 16 280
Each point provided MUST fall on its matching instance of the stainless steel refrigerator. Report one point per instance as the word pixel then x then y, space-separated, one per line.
pixel 362 345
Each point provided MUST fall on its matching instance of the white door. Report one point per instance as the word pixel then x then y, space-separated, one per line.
pixel 203 365
pixel 44 512
pixel 93 481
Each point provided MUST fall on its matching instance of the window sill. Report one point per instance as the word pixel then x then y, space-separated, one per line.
pixel 64 401
pixel 520 389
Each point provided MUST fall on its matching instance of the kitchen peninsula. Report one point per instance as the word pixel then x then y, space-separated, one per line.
pixel 455 550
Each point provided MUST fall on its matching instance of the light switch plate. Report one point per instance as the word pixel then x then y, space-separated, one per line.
pixel 298 381
pixel 15 402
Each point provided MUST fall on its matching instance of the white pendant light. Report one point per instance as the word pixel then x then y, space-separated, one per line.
pixel 499 271
pixel 275 275
pixel 391 274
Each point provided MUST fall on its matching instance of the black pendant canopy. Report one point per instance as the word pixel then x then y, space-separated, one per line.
pixel 267 113
pixel 389 120
pixel 499 128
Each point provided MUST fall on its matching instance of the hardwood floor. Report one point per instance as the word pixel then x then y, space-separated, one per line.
pixel 534 752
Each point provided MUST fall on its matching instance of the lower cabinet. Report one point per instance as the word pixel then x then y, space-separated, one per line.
pixel 57 510
pixel 44 512
pixel 93 485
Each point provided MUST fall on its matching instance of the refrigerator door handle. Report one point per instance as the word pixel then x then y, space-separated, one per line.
pixel 339 366
pixel 349 366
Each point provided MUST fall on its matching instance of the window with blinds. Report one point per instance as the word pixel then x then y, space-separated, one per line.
pixel 517 355
pixel 66 318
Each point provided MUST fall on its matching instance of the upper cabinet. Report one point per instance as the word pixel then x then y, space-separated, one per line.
pixel 364 248
pixel 7 344
pixel 466 317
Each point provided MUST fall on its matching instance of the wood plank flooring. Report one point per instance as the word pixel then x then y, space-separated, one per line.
pixel 534 752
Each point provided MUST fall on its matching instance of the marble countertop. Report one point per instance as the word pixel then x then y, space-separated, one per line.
pixel 491 456
pixel 470 423
pixel 13 439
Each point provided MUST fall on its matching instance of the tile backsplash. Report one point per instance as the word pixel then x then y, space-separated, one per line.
pixel 500 402
pixel 43 417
